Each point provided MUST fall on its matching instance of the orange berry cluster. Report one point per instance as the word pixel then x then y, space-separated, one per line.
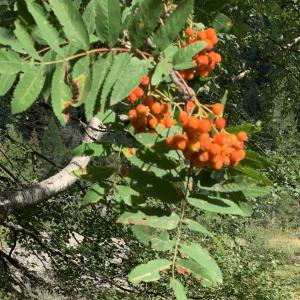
pixel 206 60
pixel 204 148
pixel 138 92
pixel 149 114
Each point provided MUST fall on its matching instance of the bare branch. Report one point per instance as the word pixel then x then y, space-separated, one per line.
pixel 59 182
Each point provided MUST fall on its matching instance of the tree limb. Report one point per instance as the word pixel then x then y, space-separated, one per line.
pixel 48 188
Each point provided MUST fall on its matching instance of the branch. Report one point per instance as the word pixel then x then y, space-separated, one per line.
pixel 48 188
pixel 293 43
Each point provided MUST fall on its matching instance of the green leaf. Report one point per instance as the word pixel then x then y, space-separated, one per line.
pixel 162 242
pixel 108 21
pixel 185 65
pixel 120 63
pixel 147 139
pixel 71 20
pixel 178 289
pixel 89 16
pixel 61 94
pixel 157 239
pixel 48 31
pixel 170 52
pixel 139 218
pixel 88 149
pixel 99 72
pixel 146 183
pixel 217 205
pixel 95 194
pixel 129 78
pixel 247 127
pixel 168 32
pixel 188 266
pixel 195 226
pixel 149 272
pixel 7 38
pixel 144 234
pixel 222 23
pixel 255 160
pixel 11 63
pixel 6 83
pixel 28 89
pixel 186 54
pixel 108 117
pixel 142 25
pixel 123 193
pixel 162 69
pixel 205 261
pixel 224 99
pixel 239 184
pixel 81 76
pixel 25 40
pixel 258 176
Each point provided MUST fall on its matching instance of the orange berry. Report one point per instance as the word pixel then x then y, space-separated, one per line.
pixel 152 123
pixel 145 80
pixel 148 101
pixel 239 145
pixel 193 123
pixel 142 121
pixel 183 117
pixel 167 107
pixel 169 122
pixel 132 97
pixel 212 35
pixel 190 75
pixel 189 106
pixel 204 72
pixel 220 123
pixel 209 44
pixel 169 141
pixel 237 156
pixel 156 108
pixel 218 165
pixel 132 114
pixel 217 158
pixel 210 32
pixel 180 141
pixel 215 149
pixel 142 109
pixel 202 59
pixel 139 92
pixel 202 35
pixel 193 146
pixel 204 156
pixel 205 125
pixel 205 141
pixel 189 32
pixel 242 136
pixel 218 58
pixel 222 138
pixel 218 109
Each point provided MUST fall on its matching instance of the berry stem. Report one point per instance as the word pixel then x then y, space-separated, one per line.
pixel 179 228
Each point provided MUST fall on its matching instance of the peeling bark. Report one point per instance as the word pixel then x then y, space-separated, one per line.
pixel 48 188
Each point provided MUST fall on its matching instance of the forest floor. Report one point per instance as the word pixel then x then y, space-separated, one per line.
pixel 287 271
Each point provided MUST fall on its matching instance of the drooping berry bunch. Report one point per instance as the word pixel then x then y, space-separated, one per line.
pixel 138 92
pixel 206 60
pixel 149 114
pixel 203 144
